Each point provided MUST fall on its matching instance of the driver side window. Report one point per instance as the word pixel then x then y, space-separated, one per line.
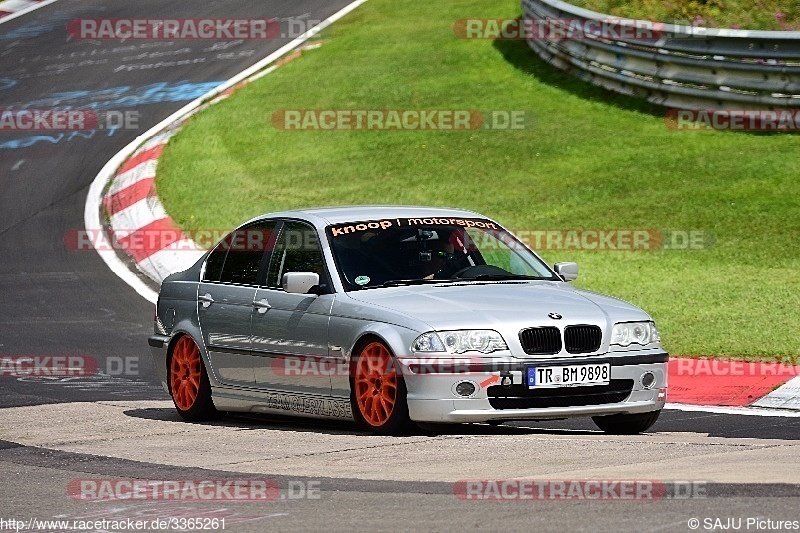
pixel 297 250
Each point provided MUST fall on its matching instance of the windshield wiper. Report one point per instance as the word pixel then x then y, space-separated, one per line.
pixel 403 282
pixel 479 277
pixel 504 277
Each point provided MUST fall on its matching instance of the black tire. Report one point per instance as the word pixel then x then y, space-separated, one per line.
pixel 626 424
pixel 186 371
pixel 394 421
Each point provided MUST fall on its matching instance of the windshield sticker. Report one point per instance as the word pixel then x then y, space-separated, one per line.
pixel 362 280
pixel 354 227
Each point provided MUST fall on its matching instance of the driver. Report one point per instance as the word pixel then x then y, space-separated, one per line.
pixel 441 253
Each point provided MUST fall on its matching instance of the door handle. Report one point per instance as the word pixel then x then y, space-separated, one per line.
pixel 262 305
pixel 205 300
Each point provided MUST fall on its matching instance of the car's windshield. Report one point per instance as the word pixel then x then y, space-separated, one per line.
pixel 402 251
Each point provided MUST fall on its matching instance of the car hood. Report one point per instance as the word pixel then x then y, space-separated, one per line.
pixel 494 305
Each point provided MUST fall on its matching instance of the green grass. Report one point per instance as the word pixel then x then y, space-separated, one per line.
pixel 591 160
pixel 778 15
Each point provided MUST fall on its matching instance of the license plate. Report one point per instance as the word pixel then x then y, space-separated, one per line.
pixel 568 375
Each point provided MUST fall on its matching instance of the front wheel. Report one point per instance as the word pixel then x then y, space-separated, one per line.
pixel 626 424
pixel 378 391
pixel 188 382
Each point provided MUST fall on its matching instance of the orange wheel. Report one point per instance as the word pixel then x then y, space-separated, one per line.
pixel 378 389
pixel 185 369
pixel 188 381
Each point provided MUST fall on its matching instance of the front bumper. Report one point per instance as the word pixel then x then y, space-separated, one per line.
pixel 432 397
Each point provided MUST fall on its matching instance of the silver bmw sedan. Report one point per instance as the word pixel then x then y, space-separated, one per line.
pixel 392 316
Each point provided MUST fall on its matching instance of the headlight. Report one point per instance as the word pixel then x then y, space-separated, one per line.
pixel 627 333
pixel 469 340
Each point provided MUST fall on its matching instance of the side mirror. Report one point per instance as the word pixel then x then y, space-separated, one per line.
pixel 299 282
pixel 567 270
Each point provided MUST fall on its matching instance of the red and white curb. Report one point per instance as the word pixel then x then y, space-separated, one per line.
pixel 11 9
pixel 138 221
pixel 753 385
pixel 787 396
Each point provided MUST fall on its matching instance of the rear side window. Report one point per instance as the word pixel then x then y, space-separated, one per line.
pixel 237 258
pixel 216 259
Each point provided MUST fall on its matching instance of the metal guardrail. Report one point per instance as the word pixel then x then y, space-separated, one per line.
pixel 684 67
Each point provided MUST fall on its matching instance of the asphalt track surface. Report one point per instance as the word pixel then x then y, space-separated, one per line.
pixel 55 301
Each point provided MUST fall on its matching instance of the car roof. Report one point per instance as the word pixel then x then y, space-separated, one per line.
pixel 355 213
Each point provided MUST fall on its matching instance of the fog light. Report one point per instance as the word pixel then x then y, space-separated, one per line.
pixel 648 380
pixel 465 388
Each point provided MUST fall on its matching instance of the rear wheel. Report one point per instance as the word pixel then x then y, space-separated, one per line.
pixel 626 424
pixel 378 391
pixel 188 382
